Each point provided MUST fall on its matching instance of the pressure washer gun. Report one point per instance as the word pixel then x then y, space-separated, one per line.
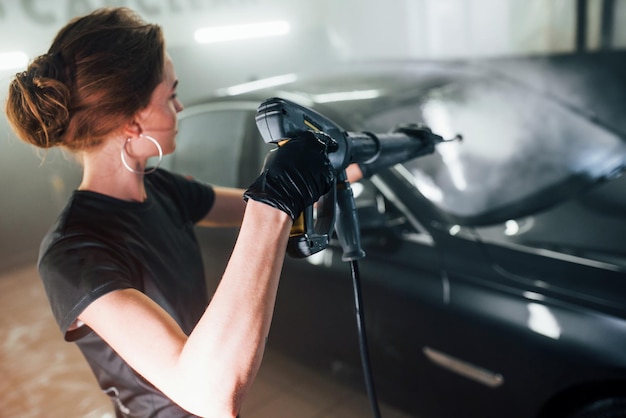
pixel 279 119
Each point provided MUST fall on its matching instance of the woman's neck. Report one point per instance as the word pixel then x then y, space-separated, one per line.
pixel 104 173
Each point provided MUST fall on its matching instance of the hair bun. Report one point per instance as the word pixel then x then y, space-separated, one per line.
pixel 51 66
pixel 44 119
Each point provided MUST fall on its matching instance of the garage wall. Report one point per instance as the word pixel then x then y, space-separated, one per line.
pixel 33 189
pixel 461 28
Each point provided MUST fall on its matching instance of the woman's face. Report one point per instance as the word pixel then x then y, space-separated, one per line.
pixel 159 119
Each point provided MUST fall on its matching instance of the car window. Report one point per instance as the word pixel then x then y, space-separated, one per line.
pixel 521 151
pixel 209 145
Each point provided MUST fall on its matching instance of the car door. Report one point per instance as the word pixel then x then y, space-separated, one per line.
pixel 455 355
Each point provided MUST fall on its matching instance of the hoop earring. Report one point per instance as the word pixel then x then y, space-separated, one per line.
pixel 132 170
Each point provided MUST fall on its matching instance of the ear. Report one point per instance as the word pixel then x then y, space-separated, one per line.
pixel 131 129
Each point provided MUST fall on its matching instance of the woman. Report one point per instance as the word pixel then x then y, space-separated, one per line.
pixel 121 266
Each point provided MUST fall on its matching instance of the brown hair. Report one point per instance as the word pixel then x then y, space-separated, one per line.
pixel 99 71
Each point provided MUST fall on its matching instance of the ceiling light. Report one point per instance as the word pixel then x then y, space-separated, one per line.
pixel 258 84
pixel 346 95
pixel 13 60
pixel 244 31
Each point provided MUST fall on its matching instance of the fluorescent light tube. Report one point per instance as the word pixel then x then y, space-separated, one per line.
pixel 346 95
pixel 259 84
pixel 245 31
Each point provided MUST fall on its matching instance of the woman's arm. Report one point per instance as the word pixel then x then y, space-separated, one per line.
pixel 209 372
pixel 227 210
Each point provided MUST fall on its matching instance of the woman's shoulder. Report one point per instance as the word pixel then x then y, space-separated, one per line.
pixel 191 196
pixel 91 218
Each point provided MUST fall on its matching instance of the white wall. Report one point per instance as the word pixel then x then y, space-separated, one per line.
pixel 351 29
pixel 403 29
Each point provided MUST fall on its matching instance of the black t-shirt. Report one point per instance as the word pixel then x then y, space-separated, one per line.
pixel 100 244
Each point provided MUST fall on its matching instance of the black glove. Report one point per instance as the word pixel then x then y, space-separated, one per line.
pixel 295 175
pixel 425 138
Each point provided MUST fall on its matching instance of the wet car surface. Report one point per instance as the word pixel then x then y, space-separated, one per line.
pixel 494 277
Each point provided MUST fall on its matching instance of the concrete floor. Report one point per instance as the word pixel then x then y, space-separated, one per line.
pixel 43 376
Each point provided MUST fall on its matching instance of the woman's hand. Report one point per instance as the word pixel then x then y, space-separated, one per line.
pixel 295 175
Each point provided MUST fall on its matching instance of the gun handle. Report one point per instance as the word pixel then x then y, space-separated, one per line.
pixel 347 225
pixel 308 235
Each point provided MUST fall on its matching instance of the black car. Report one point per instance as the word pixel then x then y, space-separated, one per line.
pixel 494 280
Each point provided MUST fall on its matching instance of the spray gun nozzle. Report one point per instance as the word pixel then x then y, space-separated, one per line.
pixel 457 137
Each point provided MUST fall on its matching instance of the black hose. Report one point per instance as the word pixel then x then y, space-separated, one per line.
pixel 360 321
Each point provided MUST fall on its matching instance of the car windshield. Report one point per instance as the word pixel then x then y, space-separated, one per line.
pixel 520 150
